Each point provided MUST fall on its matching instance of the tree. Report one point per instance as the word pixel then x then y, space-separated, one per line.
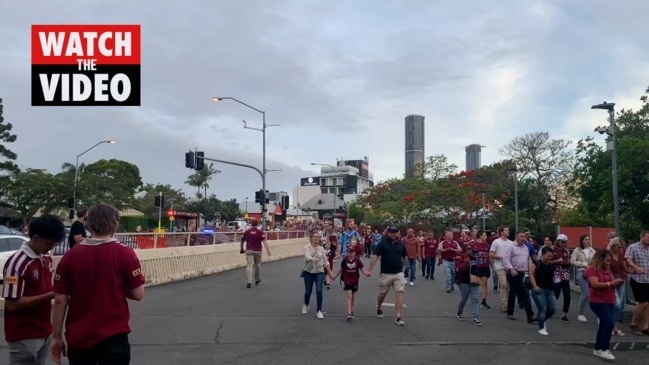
pixel 437 167
pixel 212 208
pixel 201 179
pixel 111 181
pixel 356 211
pixel 544 164
pixel 7 165
pixel 30 191
pixel 146 205
pixel 592 179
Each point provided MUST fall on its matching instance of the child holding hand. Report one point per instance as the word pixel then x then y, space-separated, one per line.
pixel 350 269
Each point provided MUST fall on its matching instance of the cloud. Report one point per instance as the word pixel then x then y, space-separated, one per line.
pixel 339 77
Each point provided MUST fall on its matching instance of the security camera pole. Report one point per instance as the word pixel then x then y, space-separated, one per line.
pixel 610 107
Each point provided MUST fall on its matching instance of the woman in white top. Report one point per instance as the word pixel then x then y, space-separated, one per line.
pixel 580 259
pixel 315 266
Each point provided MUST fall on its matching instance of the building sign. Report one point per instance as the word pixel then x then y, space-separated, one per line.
pixel 310 181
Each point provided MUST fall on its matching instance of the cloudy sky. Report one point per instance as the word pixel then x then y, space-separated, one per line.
pixel 339 76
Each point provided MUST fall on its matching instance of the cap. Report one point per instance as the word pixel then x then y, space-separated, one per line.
pixel 393 229
pixel 562 237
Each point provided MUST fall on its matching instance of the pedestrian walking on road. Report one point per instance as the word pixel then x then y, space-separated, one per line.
pixel 580 259
pixel 27 290
pixel 542 281
pixel 93 282
pixel 393 255
pixel 313 273
pixel 350 269
pixel 253 238
pixel 468 281
pixel 602 301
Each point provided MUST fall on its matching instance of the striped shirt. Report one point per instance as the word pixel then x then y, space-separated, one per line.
pixel 22 262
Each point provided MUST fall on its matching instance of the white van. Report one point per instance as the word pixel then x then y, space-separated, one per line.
pixel 237 226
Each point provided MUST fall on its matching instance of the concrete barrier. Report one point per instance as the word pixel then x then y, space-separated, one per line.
pixel 166 265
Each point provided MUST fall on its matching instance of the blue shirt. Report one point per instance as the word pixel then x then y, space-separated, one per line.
pixel 346 239
pixel 376 238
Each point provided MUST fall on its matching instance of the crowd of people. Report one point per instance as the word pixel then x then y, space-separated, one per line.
pixel 92 282
pixel 522 271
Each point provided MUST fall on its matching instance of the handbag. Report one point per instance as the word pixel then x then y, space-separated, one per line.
pixel 306 263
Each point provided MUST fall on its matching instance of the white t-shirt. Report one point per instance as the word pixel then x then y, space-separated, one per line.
pixel 498 248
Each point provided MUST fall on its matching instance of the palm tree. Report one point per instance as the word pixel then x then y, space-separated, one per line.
pixel 201 179
pixel 196 180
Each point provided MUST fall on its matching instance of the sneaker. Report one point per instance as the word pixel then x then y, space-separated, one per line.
pixel 412 284
pixel 248 285
pixel 460 317
pixel 485 305
pixel 582 318
pixel 352 314
pixel 319 315
pixel 305 309
pixel 379 313
pixel 597 353
pixel 448 290
pixel 399 322
pixel 543 331
pixel 607 355
pixel 349 317
pixel 495 287
pixel 477 322
pixel 565 319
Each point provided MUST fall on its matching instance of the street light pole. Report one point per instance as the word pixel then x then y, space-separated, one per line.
pixel 610 107
pixel 263 132
pixel 76 172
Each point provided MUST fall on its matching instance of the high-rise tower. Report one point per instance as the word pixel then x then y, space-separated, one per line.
pixel 415 149
pixel 473 152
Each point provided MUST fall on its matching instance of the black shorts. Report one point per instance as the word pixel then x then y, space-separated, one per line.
pixel 640 291
pixel 354 289
pixel 483 272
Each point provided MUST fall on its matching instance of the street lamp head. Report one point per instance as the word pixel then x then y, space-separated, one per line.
pixel 313 163
pixel 604 106
pixel 112 141
pixel 602 130
pixel 217 98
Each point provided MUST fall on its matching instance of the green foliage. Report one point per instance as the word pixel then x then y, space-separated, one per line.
pixel 212 208
pixel 32 190
pixel 111 181
pixel 145 203
pixel 356 211
pixel 7 157
pixel 592 179
pixel 129 224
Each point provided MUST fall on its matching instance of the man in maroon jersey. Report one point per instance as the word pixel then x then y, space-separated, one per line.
pixel 95 279
pixel 28 294
pixel 254 238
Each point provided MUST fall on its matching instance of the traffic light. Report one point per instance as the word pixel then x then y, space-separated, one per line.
pixel 190 160
pixel 71 202
pixel 284 202
pixel 71 214
pixel 259 196
pixel 159 201
pixel 200 162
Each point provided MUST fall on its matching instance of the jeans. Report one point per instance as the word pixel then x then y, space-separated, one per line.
pixel 494 277
pixel 449 272
pixel 429 267
pixel 619 302
pixel 411 270
pixel 466 291
pixel 583 287
pixel 546 305
pixel 517 289
pixel 563 287
pixel 603 311
pixel 309 280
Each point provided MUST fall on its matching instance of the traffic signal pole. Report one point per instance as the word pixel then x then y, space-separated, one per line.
pixel 263 183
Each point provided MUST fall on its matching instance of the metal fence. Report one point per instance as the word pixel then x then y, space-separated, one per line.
pixel 145 241
pixel 628 293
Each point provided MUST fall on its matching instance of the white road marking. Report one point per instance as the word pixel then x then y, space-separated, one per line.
pixel 392 305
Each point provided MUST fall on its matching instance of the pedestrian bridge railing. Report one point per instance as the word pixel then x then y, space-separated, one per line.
pixel 145 241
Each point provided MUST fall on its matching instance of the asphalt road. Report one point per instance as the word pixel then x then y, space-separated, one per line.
pixel 217 320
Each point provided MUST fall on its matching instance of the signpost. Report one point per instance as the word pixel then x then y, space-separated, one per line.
pixel 171 214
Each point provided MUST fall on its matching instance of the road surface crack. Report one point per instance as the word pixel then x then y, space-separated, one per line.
pixel 218 333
